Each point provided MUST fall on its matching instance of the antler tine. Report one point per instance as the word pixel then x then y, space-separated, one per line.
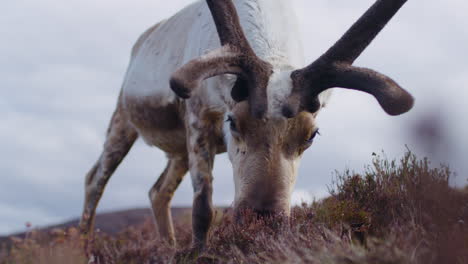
pixel 362 33
pixel 252 84
pixel 228 25
pixel 333 68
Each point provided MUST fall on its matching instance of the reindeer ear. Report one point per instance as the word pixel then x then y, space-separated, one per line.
pixel 240 91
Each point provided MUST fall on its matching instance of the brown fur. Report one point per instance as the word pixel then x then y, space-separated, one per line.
pixel 161 194
pixel 267 151
pixel 162 126
pixel 203 142
pixel 287 134
pixel 120 138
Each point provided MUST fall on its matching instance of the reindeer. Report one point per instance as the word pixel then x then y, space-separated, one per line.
pixel 260 106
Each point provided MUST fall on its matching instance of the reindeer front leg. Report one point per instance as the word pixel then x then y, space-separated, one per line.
pixel 202 207
pixel 202 150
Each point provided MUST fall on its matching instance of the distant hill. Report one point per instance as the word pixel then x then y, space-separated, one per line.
pixel 112 222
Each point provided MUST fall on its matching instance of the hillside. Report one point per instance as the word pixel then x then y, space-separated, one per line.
pixel 396 212
pixel 110 223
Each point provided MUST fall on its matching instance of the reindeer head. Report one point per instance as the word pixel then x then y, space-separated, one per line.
pixel 272 123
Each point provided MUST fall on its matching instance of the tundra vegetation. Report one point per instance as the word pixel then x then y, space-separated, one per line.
pixel 394 212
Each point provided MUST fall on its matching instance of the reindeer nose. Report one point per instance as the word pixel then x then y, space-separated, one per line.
pixel 274 219
pixel 258 209
pixel 265 213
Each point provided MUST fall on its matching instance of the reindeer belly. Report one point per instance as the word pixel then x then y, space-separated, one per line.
pixel 160 125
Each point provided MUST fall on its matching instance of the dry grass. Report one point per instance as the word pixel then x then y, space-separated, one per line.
pixel 397 212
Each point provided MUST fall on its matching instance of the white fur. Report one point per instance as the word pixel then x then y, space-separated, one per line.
pixel 279 88
pixel 269 25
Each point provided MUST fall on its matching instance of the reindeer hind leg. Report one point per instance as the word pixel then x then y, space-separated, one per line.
pixel 161 195
pixel 120 138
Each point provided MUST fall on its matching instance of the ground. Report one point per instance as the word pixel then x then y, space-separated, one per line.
pixel 396 212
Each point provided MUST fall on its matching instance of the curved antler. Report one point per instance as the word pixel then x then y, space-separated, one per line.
pixel 333 69
pixel 228 25
pixel 236 56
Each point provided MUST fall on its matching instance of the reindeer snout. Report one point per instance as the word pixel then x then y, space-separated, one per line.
pixel 270 218
pixel 270 208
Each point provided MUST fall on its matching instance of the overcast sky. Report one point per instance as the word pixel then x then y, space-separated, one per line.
pixel 62 64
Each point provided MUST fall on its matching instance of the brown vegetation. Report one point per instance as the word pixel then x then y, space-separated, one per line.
pixel 402 212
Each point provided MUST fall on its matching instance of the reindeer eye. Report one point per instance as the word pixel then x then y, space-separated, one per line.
pixel 311 139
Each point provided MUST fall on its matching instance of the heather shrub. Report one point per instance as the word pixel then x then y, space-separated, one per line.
pixel 57 247
pixel 395 212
